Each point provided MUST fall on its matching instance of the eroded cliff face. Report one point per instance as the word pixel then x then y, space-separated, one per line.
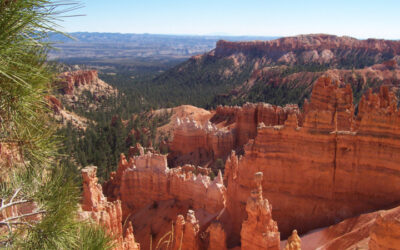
pixel 148 189
pixel 320 166
pixel 318 48
pixel 69 81
pixel 229 128
pixel 199 145
pixel 335 166
pixel 108 214
pixel 83 88
pixel 146 178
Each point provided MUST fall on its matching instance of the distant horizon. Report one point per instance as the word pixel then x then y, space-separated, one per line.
pixel 231 35
pixel 361 19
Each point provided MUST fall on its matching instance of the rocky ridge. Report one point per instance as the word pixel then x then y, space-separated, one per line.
pixel 228 129
pixel 95 207
pixel 314 48
pixel 83 88
pixel 327 163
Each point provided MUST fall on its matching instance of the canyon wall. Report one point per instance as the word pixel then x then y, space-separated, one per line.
pixel 83 89
pixel 311 48
pixel 314 168
pixel 229 128
pixel 146 178
pixel 335 166
pixel 71 80
pixel 95 207
pixel 199 145
pixel 153 195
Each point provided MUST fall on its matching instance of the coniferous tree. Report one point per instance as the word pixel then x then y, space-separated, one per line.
pixel 35 180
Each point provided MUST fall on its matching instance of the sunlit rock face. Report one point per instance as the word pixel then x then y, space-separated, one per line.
pixel 322 165
pixel 83 88
pixel 108 214
pixel 229 129
pixel 315 48
pixel 153 195
pixel 259 231
pixel 337 165
pixel 69 81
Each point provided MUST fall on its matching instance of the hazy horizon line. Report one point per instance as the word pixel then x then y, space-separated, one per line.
pixel 229 35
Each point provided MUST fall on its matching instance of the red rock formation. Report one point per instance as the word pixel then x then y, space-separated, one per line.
pixel 75 85
pixel 217 235
pixel 320 47
pixel 259 231
pixel 293 242
pixel 70 80
pixel 186 232
pixel 147 178
pixel 320 167
pixel 360 79
pixel 377 230
pixel 333 167
pixel 232 128
pixel 107 214
pixel 146 186
pixel 54 103
pixel 197 144
pixel 250 115
pixel 385 233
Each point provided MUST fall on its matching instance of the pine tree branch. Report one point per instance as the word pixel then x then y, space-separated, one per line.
pixel 22 216
pixel 12 202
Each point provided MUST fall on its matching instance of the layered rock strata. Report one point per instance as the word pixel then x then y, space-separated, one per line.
pixel 335 166
pixel 71 80
pixel 320 167
pixel 318 48
pixel 147 188
pixel 83 88
pixel 197 144
pixel 146 178
pixel 229 128
pixel 95 207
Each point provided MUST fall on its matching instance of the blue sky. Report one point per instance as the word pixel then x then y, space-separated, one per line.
pixel 357 18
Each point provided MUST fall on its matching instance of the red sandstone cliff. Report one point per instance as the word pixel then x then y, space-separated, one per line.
pixel 320 166
pixel 229 128
pixel 74 88
pixel 386 74
pixel 309 48
pixel 69 81
pixel 335 166
pixel 327 162
pixel 147 188
pixel 108 214
pixel 75 85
